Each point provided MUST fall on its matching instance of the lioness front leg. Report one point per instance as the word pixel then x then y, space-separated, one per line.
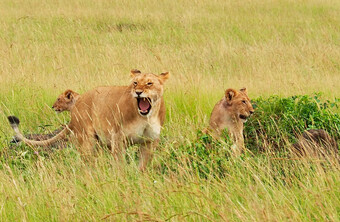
pixel 146 153
pixel 118 146
pixel 86 144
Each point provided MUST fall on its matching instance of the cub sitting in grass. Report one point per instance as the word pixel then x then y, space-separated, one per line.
pixel 230 113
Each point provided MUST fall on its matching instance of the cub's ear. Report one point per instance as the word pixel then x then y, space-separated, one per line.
pixel 69 94
pixel 135 72
pixel 230 94
pixel 164 76
pixel 244 90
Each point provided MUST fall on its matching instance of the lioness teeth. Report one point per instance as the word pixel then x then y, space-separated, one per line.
pixel 144 99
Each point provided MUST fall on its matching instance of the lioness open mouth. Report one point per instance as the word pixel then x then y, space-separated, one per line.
pixel 144 105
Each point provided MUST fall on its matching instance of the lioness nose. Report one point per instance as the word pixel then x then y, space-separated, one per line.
pixel 251 112
pixel 139 92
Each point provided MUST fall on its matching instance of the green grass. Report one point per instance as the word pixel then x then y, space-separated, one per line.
pixel 272 47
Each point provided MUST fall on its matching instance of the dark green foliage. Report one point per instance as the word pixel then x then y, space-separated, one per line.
pixel 278 120
pixel 204 157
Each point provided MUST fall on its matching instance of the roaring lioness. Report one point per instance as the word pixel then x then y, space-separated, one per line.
pixel 116 115
pixel 230 113
pixel 65 101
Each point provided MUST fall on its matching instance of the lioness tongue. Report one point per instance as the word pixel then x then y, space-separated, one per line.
pixel 144 104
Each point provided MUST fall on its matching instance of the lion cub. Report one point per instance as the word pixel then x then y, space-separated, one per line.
pixel 230 113
pixel 65 101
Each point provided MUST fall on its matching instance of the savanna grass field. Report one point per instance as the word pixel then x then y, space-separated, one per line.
pixel 287 54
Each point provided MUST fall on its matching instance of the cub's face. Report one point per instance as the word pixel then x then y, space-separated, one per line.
pixel 65 101
pixel 147 89
pixel 239 103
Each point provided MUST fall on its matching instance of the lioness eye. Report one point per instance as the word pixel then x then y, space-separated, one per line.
pixel 149 83
pixel 135 83
pixel 245 102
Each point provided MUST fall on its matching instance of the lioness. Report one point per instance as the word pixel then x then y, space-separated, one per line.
pixel 116 115
pixel 65 101
pixel 230 113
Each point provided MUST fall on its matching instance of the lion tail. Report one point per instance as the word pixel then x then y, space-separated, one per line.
pixel 14 121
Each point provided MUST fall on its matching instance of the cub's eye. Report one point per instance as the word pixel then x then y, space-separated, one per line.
pixel 149 83
pixel 135 83
pixel 244 102
pixel 58 99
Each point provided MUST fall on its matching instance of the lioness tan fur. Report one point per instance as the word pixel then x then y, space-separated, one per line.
pixel 65 101
pixel 116 115
pixel 230 113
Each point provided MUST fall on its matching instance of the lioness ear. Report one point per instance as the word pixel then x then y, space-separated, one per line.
pixel 230 94
pixel 244 90
pixel 164 76
pixel 68 94
pixel 135 72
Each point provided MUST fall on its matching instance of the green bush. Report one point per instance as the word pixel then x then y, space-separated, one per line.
pixel 279 120
pixel 204 156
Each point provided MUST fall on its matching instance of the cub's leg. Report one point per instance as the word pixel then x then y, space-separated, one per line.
pixel 238 146
pixel 146 153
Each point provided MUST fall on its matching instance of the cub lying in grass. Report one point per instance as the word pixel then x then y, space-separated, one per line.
pixel 64 102
pixel 315 143
pixel 230 113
